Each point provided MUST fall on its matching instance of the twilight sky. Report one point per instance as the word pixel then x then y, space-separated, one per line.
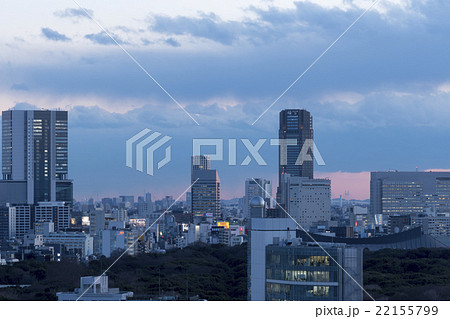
pixel 380 97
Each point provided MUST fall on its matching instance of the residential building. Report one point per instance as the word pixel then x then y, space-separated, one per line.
pixel 57 212
pixel 308 201
pixel 220 235
pixel 80 243
pixel 119 238
pixel 23 219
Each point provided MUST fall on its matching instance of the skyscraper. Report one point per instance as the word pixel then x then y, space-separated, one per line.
pixel 295 124
pixel 205 193
pixel 35 155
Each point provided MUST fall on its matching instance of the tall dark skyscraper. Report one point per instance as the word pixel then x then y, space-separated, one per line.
pixel 205 193
pixel 295 124
pixel 35 154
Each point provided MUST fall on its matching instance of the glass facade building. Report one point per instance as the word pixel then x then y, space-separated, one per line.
pixel 35 151
pixel 399 193
pixel 302 272
pixel 205 195
pixel 296 124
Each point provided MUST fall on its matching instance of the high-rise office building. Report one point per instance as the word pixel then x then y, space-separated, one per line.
pixel 297 271
pixel 263 232
pixel 409 192
pixel 295 124
pixel 35 154
pixel 205 193
pixel 257 187
pixel 308 201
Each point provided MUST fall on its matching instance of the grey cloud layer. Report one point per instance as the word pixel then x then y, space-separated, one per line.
pixel 73 13
pixel 402 51
pixel 54 35
pixel 103 38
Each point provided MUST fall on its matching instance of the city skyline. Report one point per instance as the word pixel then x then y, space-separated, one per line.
pixel 276 150
pixel 360 121
pixel 356 184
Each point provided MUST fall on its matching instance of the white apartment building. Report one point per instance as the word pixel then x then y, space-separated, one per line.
pixel 308 201
pixel 72 241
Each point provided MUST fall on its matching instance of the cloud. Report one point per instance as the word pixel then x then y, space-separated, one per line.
pixel 76 13
pixel 24 106
pixel 103 38
pixel 209 27
pixel 308 21
pixel 418 106
pixel 19 87
pixel 54 35
pixel 172 42
pixel 382 73
pixel 145 41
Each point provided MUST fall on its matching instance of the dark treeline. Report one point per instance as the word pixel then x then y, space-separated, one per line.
pixel 220 273
pixel 420 274
pixel 210 272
